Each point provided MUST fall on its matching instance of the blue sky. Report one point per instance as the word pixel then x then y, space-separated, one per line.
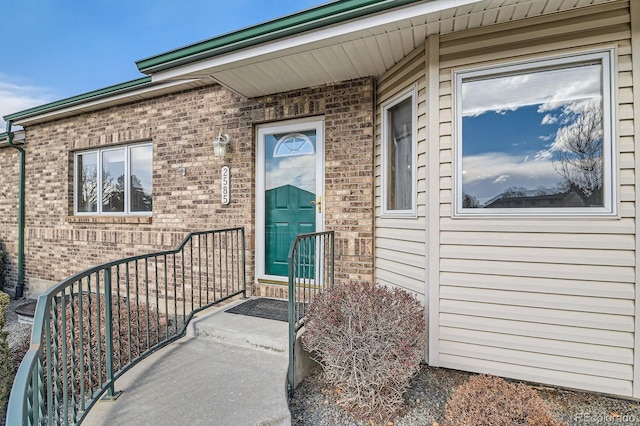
pixel 515 139
pixel 53 49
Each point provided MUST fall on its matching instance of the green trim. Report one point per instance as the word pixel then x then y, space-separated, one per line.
pixel 21 202
pixel 297 23
pixel 78 99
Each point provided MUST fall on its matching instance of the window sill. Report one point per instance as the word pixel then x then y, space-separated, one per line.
pixel 110 219
pixel 399 215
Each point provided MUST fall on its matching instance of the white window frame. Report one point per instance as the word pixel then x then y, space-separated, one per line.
pixel 609 181
pixel 127 180
pixel 412 94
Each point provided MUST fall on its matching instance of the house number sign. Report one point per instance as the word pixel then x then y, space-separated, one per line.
pixel 226 187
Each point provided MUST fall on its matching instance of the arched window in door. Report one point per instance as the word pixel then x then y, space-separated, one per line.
pixel 293 144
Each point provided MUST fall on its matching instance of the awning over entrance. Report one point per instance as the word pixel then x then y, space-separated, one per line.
pixel 336 42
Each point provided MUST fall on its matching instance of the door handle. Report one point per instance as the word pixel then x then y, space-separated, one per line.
pixel 318 203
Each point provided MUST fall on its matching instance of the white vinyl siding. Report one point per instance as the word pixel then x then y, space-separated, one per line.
pixel 548 300
pixel 400 241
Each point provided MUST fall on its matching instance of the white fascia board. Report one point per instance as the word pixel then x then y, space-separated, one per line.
pixel 254 54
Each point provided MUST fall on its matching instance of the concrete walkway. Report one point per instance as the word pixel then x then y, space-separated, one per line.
pixel 229 370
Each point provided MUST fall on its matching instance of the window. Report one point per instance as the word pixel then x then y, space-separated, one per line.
pixel 293 144
pixel 114 181
pixel 399 155
pixel 536 138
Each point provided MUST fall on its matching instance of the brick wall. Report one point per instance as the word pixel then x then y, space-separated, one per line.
pixel 10 169
pixel 182 127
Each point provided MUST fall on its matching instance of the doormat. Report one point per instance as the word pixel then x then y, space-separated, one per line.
pixel 263 308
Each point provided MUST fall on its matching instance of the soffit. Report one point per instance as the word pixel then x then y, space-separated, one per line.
pixel 364 47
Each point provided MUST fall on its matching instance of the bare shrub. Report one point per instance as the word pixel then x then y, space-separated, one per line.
pixel 492 401
pixel 370 342
pixel 135 329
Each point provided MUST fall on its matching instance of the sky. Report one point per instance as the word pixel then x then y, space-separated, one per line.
pixel 54 49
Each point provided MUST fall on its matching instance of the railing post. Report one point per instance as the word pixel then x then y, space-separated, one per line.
pixel 244 266
pixel 306 262
pixel 333 259
pixel 292 307
pixel 108 332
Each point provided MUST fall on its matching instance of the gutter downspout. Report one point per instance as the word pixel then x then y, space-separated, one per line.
pixel 20 285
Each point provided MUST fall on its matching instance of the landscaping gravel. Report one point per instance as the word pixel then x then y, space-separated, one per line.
pixel 313 403
pixel 17 332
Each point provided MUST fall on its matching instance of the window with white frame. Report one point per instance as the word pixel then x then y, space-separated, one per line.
pixel 114 181
pixel 399 155
pixel 536 137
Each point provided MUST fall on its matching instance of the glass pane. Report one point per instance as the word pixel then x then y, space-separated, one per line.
pixel 290 186
pixel 399 185
pixel 533 140
pixel 293 170
pixel 293 144
pixel 141 159
pixel 87 182
pixel 113 181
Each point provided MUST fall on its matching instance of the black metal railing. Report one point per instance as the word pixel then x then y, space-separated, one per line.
pixel 311 270
pixel 93 326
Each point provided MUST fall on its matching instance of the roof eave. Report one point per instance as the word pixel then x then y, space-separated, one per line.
pixel 308 20
pixel 80 99
pixel 18 138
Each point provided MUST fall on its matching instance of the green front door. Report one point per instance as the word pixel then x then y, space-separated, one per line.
pixel 290 190
pixel 289 211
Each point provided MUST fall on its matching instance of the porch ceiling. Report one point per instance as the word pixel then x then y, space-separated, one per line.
pixel 361 47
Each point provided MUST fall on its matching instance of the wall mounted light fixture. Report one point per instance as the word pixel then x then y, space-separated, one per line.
pixel 220 144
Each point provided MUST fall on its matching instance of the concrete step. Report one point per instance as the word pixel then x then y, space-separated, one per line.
pixel 241 330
